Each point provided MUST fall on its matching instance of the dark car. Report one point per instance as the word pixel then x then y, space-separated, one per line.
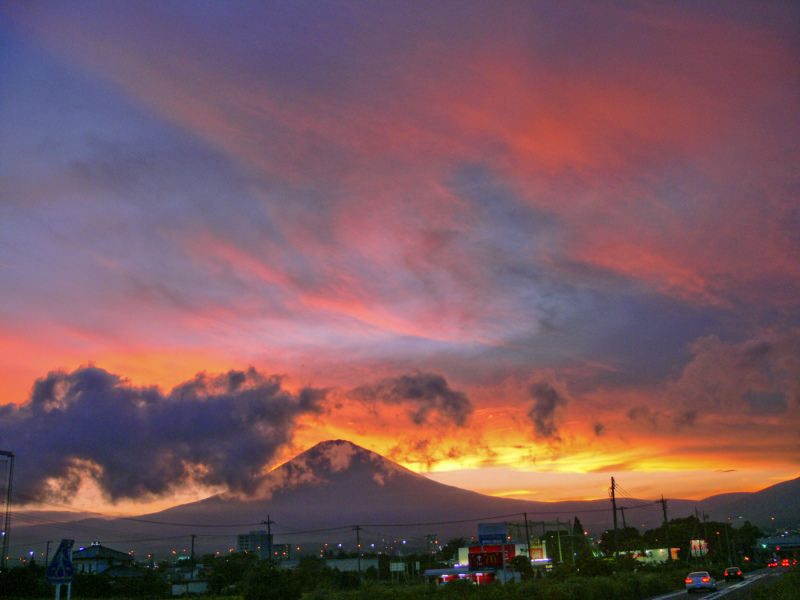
pixel 733 573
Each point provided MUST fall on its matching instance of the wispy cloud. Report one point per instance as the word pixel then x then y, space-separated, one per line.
pixel 425 207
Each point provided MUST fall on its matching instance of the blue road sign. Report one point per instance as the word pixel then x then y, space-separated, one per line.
pixel 492 533
pixel 60 569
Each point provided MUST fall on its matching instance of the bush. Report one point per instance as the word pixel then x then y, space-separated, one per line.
pixel 25 582
pixel 268 583
pixel 787 588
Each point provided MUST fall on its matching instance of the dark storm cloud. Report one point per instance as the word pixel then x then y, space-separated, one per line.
pixel 423 394
pixel 543 412
pixel 137 441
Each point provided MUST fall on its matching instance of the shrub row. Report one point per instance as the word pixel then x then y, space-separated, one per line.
pixel 787 588
pixel 622 586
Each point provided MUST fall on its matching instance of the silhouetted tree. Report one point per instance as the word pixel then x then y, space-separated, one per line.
pixel 578 536
pixel 450 549
pixel 522 565
pixel 229 569
pixel 25 582
pixel 266 582
pixel 628 539
pixel 313 573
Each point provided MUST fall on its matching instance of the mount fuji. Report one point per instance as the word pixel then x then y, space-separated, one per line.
pixel 325 492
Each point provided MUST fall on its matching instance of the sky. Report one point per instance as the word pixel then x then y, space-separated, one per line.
pixel 519 247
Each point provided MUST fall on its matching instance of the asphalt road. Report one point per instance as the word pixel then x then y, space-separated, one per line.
pixel 738 590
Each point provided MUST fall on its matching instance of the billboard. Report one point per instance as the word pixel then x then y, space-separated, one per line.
pixel 699 547
pixel 490 556
pixel 492 533
pixel 537 551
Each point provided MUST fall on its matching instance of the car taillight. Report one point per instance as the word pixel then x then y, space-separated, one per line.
pixel 688 580
pixel 706 579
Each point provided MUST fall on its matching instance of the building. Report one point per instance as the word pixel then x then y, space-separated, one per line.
pixel 256 542
pixel 281 552
pixel 189 580
pixel 654 555
pixel 784 546
pixel 99 559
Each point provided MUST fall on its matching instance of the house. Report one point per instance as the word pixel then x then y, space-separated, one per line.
pixel 189 580
pixel 99 559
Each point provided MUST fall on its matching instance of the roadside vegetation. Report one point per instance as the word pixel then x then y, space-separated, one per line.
pixel 787 588
pixel 583 573
pixel 245 579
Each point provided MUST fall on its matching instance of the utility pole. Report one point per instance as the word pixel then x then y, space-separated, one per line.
pixel 269 523
pixel 622 510
pixel 192 555
pixel 558 531
pixel 7 522
pixel 571 533
pixel 666 527
pixel 614 506
pixel 527 536
pixel 432 536
pixel 358 543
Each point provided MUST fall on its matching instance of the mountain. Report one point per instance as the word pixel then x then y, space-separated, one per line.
pixel 337 485
pixel 319 497
pixel 775 506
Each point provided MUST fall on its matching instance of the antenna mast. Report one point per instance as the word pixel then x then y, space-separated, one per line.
pixel 7 520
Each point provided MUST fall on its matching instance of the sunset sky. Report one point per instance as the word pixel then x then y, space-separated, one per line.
pixel 520 247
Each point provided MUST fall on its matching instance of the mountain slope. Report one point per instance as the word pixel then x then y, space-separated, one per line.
pixel 324 492
pixel 775 506
pixel 338 482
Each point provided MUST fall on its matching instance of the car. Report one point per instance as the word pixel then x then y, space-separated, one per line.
pixel 700 581
pixel 733 573
pixel 773 562
pixel 785 562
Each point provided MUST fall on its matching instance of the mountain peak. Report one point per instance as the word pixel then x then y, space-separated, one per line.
pixel 338 452
pixel 341 455
pixel 330 462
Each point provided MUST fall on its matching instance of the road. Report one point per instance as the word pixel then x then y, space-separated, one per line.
pixel 738 590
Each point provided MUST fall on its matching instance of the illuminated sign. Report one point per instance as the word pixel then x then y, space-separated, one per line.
pixel 699 547
pixel 490 556
pixel 492 533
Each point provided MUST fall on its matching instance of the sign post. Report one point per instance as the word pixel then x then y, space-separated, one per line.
pixel 60 569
